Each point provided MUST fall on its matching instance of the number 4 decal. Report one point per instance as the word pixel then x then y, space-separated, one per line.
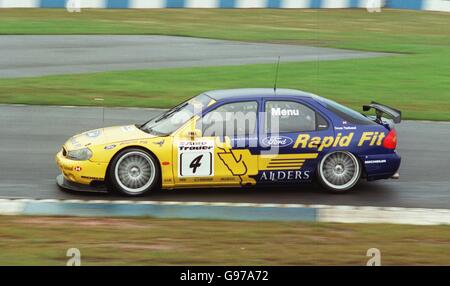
pixel 196 159
pixel 196 163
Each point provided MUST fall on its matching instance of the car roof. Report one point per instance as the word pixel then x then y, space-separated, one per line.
pixel 256 93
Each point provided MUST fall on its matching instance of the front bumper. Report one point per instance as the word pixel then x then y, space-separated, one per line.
pixel 81 172
pixel 68 185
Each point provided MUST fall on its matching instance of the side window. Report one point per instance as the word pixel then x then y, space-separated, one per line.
pixel 290 116
pixel 231 119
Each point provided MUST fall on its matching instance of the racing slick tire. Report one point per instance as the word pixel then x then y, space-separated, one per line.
pixel 339 171
pixel 134 172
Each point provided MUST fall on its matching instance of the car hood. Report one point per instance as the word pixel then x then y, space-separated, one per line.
pixel 105 136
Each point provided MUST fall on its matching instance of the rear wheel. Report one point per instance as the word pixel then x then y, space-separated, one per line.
pixel 134 172
pixel 339 171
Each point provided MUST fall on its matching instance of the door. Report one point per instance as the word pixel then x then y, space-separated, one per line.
pixel 222 153
pixel 290 141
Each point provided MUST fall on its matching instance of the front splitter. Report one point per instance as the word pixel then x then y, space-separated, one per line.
pixel 72 186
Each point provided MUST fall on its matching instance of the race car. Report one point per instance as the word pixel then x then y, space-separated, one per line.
pixel 237 138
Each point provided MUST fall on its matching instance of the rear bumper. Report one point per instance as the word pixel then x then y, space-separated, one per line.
pixel 382 166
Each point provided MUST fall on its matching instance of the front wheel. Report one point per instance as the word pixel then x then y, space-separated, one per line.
pixel 339 171
pixel 134 172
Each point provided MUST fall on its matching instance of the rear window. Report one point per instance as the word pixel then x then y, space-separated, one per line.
pixel 346 113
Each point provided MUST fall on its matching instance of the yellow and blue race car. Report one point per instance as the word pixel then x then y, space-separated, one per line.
pixel 235 138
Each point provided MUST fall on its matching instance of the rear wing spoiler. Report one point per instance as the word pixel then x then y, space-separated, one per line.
pixel 384 109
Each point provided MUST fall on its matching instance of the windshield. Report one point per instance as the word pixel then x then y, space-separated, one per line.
pixel 171 120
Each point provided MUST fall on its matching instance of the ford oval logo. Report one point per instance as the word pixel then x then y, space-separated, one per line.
pixel 277 141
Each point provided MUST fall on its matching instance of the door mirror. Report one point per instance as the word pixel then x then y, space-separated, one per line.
pixel 192 134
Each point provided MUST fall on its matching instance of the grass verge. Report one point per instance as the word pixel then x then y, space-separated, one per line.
pixel 351 82
pixel 417 82
pixel 145 241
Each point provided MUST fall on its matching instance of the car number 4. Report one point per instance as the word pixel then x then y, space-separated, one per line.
pixel 196 163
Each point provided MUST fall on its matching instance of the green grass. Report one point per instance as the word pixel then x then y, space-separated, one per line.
pixel 145 241
pixel 417 81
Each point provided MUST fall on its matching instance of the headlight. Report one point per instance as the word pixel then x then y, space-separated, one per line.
pixel 80 154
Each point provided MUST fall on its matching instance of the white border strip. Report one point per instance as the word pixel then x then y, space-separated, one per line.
pixel 324 213
pixel 251 3
pixel 145 4
pixel 92 3
pixel 295 4
pixel 436 5
pixel 19 3
pixel 384 215
pixel 11 207
pixel 202 3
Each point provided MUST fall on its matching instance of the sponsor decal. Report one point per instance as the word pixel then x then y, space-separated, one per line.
pixel 127 128
pixel 110 147
pixel 228 179
pixel 93 133
pixel 92 178
pixel 319 143
pixel 159 143
pixel 133 142
pixel 305 141
pixel 375 162
pixel 277 141
pixel 241 163
pixel 345 128
pixel 374 138
pixel 203 179
pixel 284 112
pixel 195 145
pixel 196 158
pixel 276 176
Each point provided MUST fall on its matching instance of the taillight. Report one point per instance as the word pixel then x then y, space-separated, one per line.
pixel 390 142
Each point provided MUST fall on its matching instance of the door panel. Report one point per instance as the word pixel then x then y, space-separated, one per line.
pixel 222 156
pixel 285 159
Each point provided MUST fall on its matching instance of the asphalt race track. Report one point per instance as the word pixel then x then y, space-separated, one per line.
pixel 30 136
pixel 24 56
